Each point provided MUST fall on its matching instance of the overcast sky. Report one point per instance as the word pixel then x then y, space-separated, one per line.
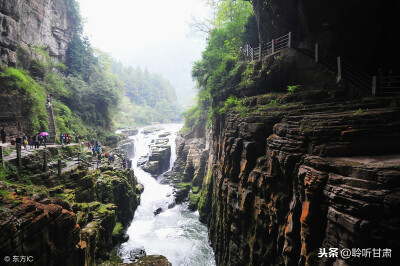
pixel 151 34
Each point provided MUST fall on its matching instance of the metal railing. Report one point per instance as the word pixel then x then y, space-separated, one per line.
pixel 389 85
pixel 343 68
pixel 268 48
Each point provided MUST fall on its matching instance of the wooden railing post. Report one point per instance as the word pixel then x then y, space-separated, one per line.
pixel 247 50
pixel 339 73
pixel 316 52
pixel 59 168
pixel 2 157
pixel 252 53
pixel 19 157
pixel 290 39
pixel 273 46
pixel 45 166
pixel 260 51
pixel 373 86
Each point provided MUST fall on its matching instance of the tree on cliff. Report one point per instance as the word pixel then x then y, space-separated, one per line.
pixel 233 26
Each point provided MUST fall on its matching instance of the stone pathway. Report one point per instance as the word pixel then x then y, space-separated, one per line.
pixel 378 160
pixel 28 150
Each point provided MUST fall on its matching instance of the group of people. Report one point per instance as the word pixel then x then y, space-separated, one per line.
pixel 65 139
pixel 34 142
pixel 110 158
pixel 126 164
pixel 37 140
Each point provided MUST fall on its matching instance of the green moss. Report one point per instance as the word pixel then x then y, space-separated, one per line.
pixel 104 209
pixel 292 88
pixel 194 199
pixel 18 81
pixel 195 190
pixel 183 185
pixel 360 112
pixel 204 191
pixel 118 229
pixel 247 75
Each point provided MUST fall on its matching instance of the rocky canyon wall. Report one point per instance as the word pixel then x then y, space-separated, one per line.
pixel 28 24
pixel 299 171
pixel 29 30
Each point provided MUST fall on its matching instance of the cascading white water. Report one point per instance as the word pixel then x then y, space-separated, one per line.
pixel 175 233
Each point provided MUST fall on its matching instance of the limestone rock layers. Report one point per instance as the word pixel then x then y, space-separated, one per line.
pixel 30 24
pixel 273 196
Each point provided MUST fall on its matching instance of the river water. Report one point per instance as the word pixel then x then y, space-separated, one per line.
pixel 175 233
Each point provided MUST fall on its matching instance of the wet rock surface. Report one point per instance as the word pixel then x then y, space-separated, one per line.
pixel 33 227
pixel 282 182
pixel 73 218
pixel 190 167
pixel 159 158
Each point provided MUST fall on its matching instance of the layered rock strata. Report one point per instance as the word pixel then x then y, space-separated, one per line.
pixel 76 218
pixel 296 171
pixel 274 193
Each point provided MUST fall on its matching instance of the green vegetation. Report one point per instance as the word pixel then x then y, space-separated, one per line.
pixel 118 229
pixel 149 97
pixel 219 68
pixel 18 82
pixel 236 104
pixel 292 89
pixel 359 112
pixel 273 102
pixel 91 94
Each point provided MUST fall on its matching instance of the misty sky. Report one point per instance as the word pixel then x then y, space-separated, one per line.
pixel 151 34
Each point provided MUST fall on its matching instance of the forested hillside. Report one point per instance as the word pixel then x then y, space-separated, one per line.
pixel 149 98
pixel 91 94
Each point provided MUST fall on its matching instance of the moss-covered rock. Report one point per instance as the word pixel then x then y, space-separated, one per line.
pixel 193 200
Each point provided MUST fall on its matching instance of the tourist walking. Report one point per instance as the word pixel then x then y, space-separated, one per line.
pixel 40 140
pixel 3 135
pixel 61 139
pixel 31 143
pixel 36 141
pixel 24 141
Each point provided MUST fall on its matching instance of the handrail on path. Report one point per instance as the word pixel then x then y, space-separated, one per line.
pixel 387 85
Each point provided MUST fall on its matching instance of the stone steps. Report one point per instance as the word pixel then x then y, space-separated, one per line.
pixel 52 127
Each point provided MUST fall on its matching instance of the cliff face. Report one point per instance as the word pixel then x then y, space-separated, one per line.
pixel 190 166
pixel 73 219
pixel 276 200
pixel 302 170
pixel 27 24
pixel 351 30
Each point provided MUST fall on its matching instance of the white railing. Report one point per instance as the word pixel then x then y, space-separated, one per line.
pixel 343 68
pixel 268 48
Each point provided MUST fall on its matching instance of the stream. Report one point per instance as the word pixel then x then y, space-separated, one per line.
pixel 176 232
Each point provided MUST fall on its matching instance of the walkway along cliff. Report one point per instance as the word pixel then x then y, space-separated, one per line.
pixel 298 171
pixel 296 163
pixel 71 216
